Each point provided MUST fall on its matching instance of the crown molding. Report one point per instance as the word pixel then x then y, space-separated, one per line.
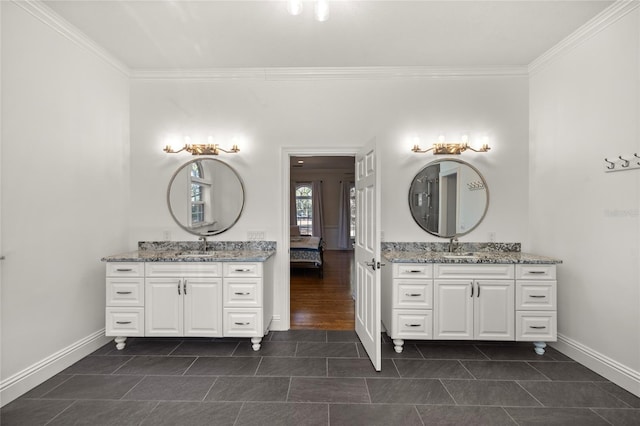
pixel 604 19
pixel 327 73
pixel 47 16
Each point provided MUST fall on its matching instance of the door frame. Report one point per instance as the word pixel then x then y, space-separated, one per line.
pixel 283 321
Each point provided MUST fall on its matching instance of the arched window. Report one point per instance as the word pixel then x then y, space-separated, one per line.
pixel 304 208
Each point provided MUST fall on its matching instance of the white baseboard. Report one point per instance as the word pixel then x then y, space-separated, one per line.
pixel 27 379
pixel 619 374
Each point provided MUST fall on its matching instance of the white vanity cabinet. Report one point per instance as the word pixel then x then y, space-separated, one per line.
pixel 124 313
pixel 474 302
pixel 194 299
pixel 536 311
pixel 183 299
pixel 407 308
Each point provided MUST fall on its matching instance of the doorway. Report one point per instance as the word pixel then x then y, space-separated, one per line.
pixel 321 293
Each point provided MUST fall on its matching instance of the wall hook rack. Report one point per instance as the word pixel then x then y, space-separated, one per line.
pixel 622 162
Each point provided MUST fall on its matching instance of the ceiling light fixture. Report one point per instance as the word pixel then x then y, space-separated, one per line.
pixel 451 148
pixel 201 148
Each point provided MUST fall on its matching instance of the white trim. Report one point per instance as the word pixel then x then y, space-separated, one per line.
pixel 25 380
pixel 327 73
pixel 618 373
pixel 47 16
pixel 604 19
pixel 283 321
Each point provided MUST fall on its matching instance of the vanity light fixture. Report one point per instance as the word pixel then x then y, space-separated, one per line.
pixel 451 148
pixel 201 148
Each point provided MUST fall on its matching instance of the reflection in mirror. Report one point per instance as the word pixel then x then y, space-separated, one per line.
pixel 205 196
pixel 448 198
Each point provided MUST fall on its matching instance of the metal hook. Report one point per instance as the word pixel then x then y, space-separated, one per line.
pixel 626 162
pixel 637 156
pixel 612 166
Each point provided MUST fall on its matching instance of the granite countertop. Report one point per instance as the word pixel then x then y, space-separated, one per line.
pixel 190 251
pixel 422 256
pixel 186 256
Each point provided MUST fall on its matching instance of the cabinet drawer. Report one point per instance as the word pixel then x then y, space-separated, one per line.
pixel 536 272
pixel 122 269
pixel 242 269
pixel 473 271
pixel 416 294
pixel 536 295
pixel 240 322
pixel 125 291
pixel 412 270
pixel 183 269
pixel 412 324
pixel 242 292
pixel 536 325
pixel 124 322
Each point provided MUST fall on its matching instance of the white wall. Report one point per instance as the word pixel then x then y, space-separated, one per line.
pixel 65 188
pixel 585 106
pixel 326 113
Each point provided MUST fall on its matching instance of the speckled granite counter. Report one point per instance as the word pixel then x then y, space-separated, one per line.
pixel 481 253
pixel 192 251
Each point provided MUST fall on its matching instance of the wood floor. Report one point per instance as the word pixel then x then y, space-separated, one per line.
pixel 323 303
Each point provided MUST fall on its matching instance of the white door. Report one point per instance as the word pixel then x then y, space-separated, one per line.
pixel 494 310
pixel 163 307
pixel 203 307
pixel 367 252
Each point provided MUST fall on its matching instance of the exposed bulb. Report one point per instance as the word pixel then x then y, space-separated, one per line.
pixel 465 138
pixel 187 140
pixel 322 10
pixel 210 140
pixel 294 7
pixel 441 138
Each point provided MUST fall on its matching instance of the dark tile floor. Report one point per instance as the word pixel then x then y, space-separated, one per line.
pixel 313 377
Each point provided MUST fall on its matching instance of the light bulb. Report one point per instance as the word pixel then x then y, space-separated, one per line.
pixel 294 7
pixel 210 140
pixel 322 10
pixel 441 138
pixel 465 138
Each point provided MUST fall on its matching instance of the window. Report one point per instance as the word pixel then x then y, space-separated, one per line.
pixel 197 202
pixel 304 208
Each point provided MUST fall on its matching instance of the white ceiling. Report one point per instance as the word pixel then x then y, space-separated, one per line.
pixel 184 34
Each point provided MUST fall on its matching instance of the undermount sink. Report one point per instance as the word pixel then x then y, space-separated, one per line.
pixel 195 253
pixel 461 255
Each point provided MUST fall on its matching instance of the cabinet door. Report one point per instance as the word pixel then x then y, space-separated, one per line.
pixel 163 307
pixel 453 310
pixel 494 310
pixel 203 307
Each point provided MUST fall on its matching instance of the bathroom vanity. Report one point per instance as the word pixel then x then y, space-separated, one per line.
pixel 175 290
pixel 480 295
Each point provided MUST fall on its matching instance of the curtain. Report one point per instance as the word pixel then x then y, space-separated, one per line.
pixel 317 206
pixel 344 216
pixel 293 217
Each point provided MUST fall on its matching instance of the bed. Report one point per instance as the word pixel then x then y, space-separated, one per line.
pixel 306 252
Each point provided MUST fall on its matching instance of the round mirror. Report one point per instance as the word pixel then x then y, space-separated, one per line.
pixel 205 196
pixel 448 198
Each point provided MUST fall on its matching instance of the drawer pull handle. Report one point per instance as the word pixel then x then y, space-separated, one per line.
pixel 123 322
pixel 242 323
pixel 123 292
pixel 239 293
pixel 124 269
pixel 536 272
pixel 415 271
pixel 537 296
pixel 243 270
pixel 413 294
pixel 471 284
pixel 412 325
pixel 537 327
pixel 179 284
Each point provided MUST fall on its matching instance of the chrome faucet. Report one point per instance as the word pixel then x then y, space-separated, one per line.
pixel 204 243
pixel 453 244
